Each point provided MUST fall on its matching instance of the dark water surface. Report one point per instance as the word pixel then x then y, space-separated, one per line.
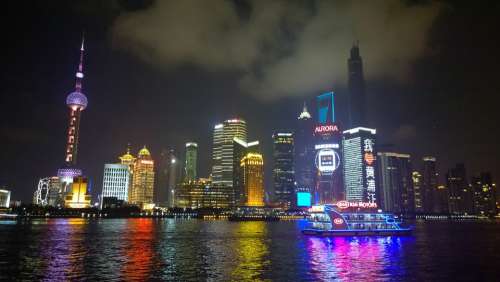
pixel 196 250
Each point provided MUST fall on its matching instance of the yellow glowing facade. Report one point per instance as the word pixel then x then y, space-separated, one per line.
pixel 129 160
pixel 141 192
pixel 252 167
pixel 78 197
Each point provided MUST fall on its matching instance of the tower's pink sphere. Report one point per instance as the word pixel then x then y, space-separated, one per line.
pixel 77 99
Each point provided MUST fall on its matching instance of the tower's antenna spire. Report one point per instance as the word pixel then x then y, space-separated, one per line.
pixel 79 73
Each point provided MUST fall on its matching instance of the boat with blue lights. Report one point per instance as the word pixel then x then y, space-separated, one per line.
pixel 352 219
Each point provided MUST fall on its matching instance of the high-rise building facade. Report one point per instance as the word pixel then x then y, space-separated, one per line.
pixel 460 193
pixel 429 185
pixel 252 166
pixel 237 190
pixel 441 197
pixel 4 198
pixel 484 195
pixel 328 187
pixel 116 182
pixel 76 102
pixel 360 164
pixel 283 170
pixel 222 153
pixel 395 191
pixel 356 85
pixel 190 167
pixel 201 194
pixel 304 151
pixel 417 188
pixel 128 160
pixel 167 177
pixel 141 192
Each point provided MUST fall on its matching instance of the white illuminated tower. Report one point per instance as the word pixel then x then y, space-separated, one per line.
pixel 76 102
pixel 224 133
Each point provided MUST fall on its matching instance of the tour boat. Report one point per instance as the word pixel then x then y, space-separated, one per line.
pixel 352 219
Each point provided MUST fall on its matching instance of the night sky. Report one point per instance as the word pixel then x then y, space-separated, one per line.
pixel 161 73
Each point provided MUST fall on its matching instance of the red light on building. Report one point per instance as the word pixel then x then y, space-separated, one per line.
pixel 346 204
pixel 338 221
pixel 330 128
pixel 369 158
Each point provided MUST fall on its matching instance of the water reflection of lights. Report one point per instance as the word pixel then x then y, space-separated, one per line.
pixel 355 258
pixel 251 250
pixel 139 252
pixel 65 253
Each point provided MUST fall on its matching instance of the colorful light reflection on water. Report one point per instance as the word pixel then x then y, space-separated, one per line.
pixel 193 250
pixel 355 258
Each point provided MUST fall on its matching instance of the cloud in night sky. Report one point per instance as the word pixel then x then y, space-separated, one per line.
pixel 279 48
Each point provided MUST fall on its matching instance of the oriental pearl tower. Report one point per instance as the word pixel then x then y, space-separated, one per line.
pixel 76 102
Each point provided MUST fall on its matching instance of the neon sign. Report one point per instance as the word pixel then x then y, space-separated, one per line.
pixel 363 205
pixel 326 128
pixel 338 221
pixel 369 159
pixel 327 161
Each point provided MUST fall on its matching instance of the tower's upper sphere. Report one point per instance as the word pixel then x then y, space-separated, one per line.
pixel 77 99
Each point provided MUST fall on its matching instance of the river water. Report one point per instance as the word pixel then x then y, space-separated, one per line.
pixel 197 250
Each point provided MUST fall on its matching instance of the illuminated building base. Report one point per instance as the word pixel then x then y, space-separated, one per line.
pixel 78 197
pixel 148 206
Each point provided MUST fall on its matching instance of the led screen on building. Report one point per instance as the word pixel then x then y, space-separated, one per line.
pixel 303 199
pixel 327 161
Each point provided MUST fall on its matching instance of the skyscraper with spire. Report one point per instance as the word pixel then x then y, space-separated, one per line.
pixel 356 84
pixel 76 102
pixel 304 151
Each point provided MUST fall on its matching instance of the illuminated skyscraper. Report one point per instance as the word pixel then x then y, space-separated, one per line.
pixel 304 151
pixel 460 193
pixel 360 164
pixel 326 108
pixel 224 133
pixel 417 188
pixel 252 166
pixel 79 196
pixel 240 150
pixel 429 185
pixel 283 171
pixel 484 195
pixel 356 85
pixel 168 177
pixel 396 186
pixel 4 198
pixel 116 182
pixel 328 187
pixel 190 167
pixel 77 102
pixel 128 160
pixel 441 199
pixel 142 190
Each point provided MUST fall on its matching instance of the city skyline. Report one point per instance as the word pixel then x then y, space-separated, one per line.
pixel 36 142
pixel 249 140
